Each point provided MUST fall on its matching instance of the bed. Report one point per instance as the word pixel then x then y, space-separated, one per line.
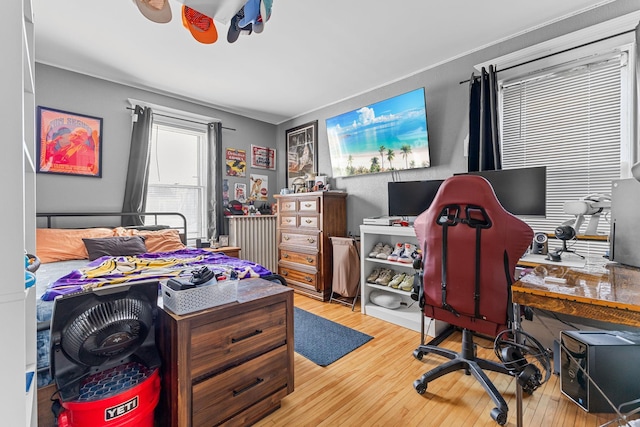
pixel 76 259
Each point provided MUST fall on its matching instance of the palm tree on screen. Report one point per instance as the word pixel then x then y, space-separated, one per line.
pixel 381 150
pixel 406 150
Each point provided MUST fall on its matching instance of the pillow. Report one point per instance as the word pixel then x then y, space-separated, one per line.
pixel 385 299
pixel 167 240
pixel 115 246
pixel 61 244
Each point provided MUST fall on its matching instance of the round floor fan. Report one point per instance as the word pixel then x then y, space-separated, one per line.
pixel 99 329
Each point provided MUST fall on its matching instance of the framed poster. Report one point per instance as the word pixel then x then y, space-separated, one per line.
pixel 236 162
pixel 263 157
pixel 302 151
pixel 68 143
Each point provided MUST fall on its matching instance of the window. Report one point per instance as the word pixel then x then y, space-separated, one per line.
pixel 572 117
pixel 177 173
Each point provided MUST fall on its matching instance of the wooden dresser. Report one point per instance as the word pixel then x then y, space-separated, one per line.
pixel 305 223
pixel 230 364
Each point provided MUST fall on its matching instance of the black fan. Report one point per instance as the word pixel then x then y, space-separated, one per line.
pixel 98 329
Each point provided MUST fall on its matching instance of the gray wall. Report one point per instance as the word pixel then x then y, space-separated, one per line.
pixel 447 113
pixel 77 93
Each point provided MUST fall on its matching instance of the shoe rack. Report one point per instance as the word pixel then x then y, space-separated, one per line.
pixel 409 314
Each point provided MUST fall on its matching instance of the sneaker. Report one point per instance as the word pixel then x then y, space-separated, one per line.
pixel 385 277
pixel 397 279
pixel 409 253
pixel 374 275
pixel 384 252
pixel 376 250
pixel 407 283
pixel 397 252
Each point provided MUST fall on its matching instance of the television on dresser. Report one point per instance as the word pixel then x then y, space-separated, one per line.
pixel 386 136
pixel 411 198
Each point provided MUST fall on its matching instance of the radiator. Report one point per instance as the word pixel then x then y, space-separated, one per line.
pixel 256 237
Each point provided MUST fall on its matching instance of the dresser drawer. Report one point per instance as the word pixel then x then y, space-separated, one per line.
pixel 299 258
pixel 288 221
pixel 216 345
pixel 287 206
pixel 222 396
pixel 307 279
pixel 309 205
pixel 309 241
pixel 309 221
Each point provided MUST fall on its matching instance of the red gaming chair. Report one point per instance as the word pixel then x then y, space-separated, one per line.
pixel 470 247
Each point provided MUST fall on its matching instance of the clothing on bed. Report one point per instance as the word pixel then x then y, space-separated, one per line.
pixel 162 265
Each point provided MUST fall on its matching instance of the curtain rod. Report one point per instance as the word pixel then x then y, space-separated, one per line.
pixel 558 53
pixel 183 119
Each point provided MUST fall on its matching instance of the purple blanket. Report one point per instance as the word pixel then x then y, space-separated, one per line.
pixel 162 265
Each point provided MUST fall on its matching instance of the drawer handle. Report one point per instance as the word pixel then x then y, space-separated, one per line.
pixel 250 386
pixel 285 255
pixel 285 273
pixel 288 220
pixel 309 259
pixel 249 335
pixel 308 221
pixel 311 240
pixel 307 205
pixel 308 279
pixel 285 237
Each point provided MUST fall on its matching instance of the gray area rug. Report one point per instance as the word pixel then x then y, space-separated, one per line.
pixel 323 341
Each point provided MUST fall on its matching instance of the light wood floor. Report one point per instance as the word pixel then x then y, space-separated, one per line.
pixel 373 385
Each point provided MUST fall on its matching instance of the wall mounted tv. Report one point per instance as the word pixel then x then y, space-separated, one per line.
pixel 411 198
pixel 386 136
pixel 521 191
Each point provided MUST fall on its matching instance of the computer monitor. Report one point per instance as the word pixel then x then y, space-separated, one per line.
pixel 411 198
pixel 521 191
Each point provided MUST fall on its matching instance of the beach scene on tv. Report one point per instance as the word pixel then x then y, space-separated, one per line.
pixel 386 136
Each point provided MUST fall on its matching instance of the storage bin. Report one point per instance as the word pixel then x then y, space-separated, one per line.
pixel 200 297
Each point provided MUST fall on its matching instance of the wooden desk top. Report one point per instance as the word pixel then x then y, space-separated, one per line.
pixel 609 293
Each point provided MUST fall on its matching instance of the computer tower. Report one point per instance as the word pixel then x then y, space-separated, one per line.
pixel 610 359
pixel 625 230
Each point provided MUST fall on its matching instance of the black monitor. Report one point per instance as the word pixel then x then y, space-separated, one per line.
pixel 521 191
pixel 411 198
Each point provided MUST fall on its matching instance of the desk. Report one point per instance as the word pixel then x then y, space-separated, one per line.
pixel 609 293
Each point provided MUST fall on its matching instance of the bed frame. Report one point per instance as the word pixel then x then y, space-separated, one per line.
pixel 57 220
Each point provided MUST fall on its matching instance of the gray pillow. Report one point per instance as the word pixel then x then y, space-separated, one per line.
pixel 114 246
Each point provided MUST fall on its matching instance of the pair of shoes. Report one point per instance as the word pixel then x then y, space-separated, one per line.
pixel 384 252
pixel 385 277
pixel 398 250
pixel 397 280
pixel 407 283
pixel 376 250
pixel 409 253
pixel 374 275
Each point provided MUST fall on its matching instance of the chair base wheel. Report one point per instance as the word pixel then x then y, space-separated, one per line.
pixel 420 386
pixel 499 416
pixel 418 354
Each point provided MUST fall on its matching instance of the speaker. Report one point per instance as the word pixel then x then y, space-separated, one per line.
pixel 609 358
pixel 565 232
pixel 540 244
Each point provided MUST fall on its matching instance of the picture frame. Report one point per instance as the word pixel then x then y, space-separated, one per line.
pixel 263 157
pixel 223 241
pixel 68 143
pixel 302 151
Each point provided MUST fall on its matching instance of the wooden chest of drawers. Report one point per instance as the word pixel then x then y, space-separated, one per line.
pixel 305 223
pixel 228 365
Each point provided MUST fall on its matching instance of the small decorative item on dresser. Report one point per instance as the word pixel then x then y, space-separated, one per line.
pixel 223 241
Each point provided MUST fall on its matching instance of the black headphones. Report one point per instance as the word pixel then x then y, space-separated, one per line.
pixel 528 375
pixel 565 232
pixel 510 352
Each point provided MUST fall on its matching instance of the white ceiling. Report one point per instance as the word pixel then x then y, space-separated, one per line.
pixel 312 53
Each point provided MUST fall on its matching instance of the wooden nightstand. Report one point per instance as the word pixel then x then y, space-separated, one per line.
pixel 232 251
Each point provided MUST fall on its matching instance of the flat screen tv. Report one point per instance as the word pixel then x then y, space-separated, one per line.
pixel 389 135
pixel 521 191
pixel 411 198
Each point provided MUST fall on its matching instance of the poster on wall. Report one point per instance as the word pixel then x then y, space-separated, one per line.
pixel 68 143
pixel 236 162
pixel 225 193
pixel 259 188
pixel 302 151
pixel 240 192
pixel 263 157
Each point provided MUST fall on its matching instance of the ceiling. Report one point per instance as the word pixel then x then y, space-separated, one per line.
pixel 310 54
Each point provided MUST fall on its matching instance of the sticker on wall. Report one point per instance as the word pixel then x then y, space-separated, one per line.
pixel 236 162
pixel 259 188
pixel 240 192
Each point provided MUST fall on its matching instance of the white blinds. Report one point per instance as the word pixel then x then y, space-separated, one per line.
pixel 569 121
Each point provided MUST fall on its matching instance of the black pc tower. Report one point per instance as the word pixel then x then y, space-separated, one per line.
pixel 610 358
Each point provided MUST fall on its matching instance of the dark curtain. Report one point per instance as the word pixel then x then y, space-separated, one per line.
pixel 215 212
pixel 484 143
pixel 135 193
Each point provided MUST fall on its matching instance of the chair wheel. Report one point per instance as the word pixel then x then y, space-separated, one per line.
pixel 499 416
pixel 420 387
pixel 418 354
